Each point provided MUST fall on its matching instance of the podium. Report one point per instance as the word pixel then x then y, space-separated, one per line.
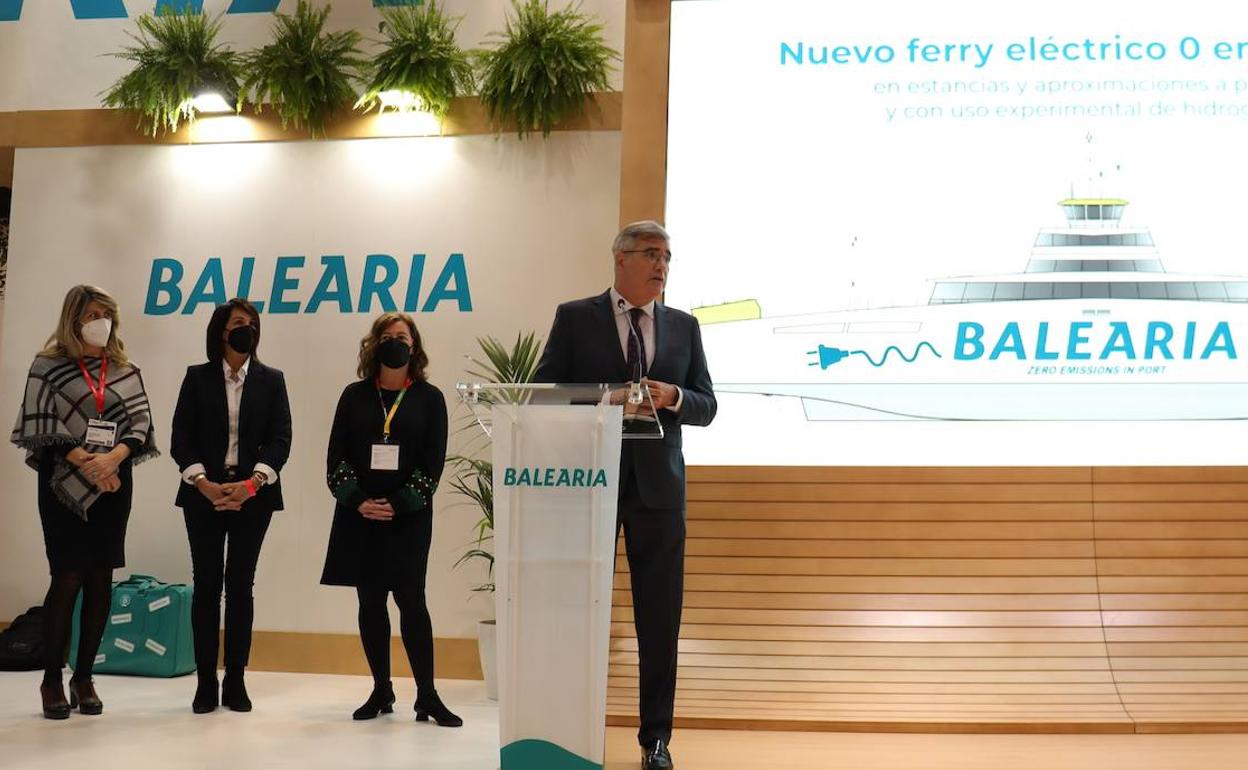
pixel 556 454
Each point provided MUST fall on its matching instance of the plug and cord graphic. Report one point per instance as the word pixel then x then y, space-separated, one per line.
pixel 828 356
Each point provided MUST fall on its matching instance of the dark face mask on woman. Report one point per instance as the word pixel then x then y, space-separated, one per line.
pixel 394 353
pixel 241 339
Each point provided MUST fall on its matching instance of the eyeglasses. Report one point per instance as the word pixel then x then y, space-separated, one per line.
pixel 654 255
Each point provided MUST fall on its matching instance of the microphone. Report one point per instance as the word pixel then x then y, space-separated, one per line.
pixel 634 341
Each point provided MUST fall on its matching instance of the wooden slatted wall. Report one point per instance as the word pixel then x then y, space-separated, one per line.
pixel 1172 548
pixel 978 599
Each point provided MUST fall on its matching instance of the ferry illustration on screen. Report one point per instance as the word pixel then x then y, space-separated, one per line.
pixel 1095 328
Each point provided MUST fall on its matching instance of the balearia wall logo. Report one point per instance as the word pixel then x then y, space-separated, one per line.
pixel 554 477
pixel 384 282
pixel 11 10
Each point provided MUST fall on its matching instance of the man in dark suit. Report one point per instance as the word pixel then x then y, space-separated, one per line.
pixel 625 334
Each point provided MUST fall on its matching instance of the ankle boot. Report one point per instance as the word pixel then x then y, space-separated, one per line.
pixel 380 702
pixel 234 691
pixel 206 696
pixel 82 697
pixel 54 704
pixel 428 704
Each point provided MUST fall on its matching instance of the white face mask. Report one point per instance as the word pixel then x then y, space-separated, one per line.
pixel 97 332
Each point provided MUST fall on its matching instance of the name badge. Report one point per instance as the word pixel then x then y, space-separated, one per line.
pixel 101 433
pixel 385 457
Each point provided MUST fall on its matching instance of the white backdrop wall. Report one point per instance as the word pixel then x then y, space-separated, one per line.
pixel 50 61
pixel 533 221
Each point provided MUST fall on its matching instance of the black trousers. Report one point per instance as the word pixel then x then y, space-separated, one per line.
pixel 654 539
pixel 216 567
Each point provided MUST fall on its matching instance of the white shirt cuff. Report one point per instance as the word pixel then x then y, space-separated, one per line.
pixel 270 475
pixel 188 475
pixel 680 399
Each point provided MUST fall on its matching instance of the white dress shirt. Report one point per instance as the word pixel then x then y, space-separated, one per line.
pixel 621 307
pixel 233 400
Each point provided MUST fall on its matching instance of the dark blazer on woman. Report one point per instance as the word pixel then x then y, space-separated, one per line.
pixel 201 427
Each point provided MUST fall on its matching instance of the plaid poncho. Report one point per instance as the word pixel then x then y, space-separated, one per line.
pixel 55 411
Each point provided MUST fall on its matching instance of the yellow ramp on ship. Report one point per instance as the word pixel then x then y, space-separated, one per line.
pixel 742 310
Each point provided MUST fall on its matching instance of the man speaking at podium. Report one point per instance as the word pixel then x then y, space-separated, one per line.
pixel 625 334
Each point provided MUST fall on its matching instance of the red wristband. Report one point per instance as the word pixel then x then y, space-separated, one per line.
pixel 251 486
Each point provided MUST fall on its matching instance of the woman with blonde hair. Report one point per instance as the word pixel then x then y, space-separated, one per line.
pixel 84 422
pixel 387 447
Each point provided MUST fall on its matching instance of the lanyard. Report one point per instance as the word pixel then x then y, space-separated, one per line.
pixel 389 416
pixel 96 390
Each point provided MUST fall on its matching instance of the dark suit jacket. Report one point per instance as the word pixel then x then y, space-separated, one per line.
pixel 584 347
pixel 201 427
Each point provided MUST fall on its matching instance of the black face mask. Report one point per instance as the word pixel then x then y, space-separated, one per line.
pixel 394 353
pixel 242 339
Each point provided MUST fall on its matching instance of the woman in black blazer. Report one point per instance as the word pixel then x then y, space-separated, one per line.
pixel 231 437
pixel 387 447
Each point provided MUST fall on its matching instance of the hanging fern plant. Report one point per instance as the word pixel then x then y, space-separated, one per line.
pixel 305 74
pixel 420 65
pixel 176 56
pixel 544 67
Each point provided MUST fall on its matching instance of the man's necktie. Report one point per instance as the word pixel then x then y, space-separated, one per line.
pixel 636 358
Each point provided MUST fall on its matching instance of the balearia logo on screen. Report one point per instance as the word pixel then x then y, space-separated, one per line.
pixel 420 285
pixel 554 477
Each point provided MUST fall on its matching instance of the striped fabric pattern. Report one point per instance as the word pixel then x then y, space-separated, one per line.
pixel 57 407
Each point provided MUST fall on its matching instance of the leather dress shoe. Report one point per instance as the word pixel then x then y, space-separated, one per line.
pixel 657 757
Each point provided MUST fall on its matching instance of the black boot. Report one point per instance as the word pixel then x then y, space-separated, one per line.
pixel 234 691
pixel 206 696
pixel 428 704
pixel 380 702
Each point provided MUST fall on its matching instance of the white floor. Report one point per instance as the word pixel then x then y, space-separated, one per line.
pixel 299 721
pixel 304 721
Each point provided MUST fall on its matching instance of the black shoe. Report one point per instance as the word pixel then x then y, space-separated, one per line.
pixel 234 692
pixel 380 702
pixel 54 704
pixel 657 757
pixel 206 696
pixel 428 704
pixel 82 697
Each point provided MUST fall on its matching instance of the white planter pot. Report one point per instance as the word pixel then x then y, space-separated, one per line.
pixel 487 647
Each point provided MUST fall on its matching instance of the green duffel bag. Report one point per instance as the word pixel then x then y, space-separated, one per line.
pixel 148 632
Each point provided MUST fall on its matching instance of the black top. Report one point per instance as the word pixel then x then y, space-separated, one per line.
pixel 201 428
pixel 392 553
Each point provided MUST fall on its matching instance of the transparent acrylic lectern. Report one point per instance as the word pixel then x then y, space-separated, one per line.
pixel 556 454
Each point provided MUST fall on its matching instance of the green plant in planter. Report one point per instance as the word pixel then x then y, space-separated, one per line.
pixel 473 477
pixel 544 67
pixel 305 73
pixel 420 61
pixel 176 56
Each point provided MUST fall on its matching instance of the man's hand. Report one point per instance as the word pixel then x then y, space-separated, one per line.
pixel 661 393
